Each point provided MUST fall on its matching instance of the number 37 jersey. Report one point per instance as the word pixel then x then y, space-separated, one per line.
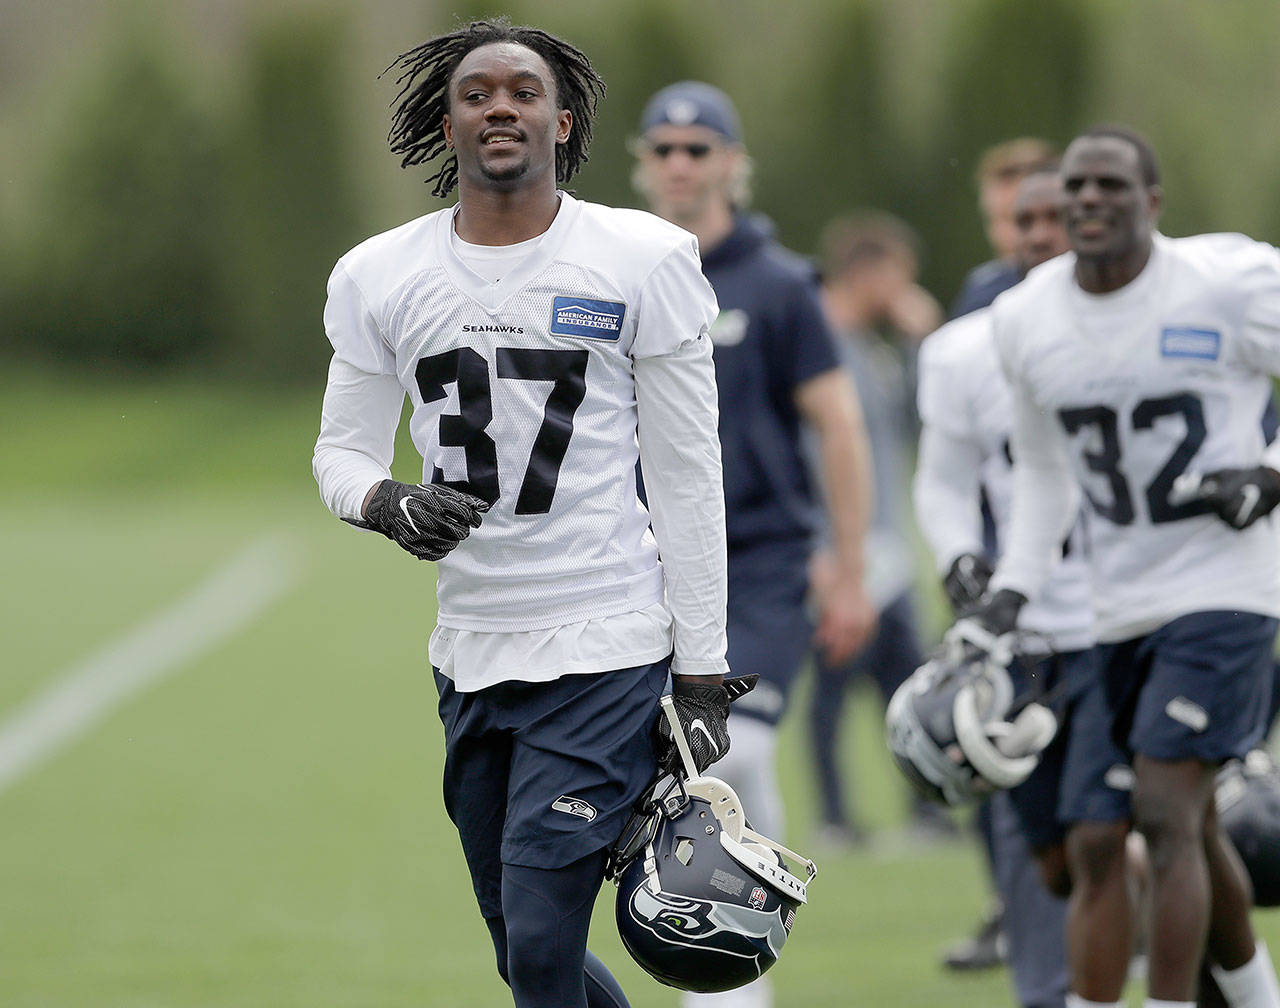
pixel 523 393
pixel 1129 390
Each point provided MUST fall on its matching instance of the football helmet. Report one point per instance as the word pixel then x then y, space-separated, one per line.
pixel 947 728
pixel 704 902
pixel 1248 800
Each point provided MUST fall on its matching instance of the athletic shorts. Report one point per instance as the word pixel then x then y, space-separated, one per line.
pixel 769 629
pixel 542 774
pixel 1082 775
pixel 1196 688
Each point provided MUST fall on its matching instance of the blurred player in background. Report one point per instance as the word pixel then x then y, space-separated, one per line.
pixel 999 175
pixel 964 456
pixel 537 338
pixel 1000 170
pixel 869 269
pixel 776 368
pixel 1139 367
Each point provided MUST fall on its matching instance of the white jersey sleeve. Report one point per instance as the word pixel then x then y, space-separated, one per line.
pixel 1260 331
pixel 680 455
pixel 357 435
pixel 352 328
pixel 947 486
pixel 362 401
pixel 676 305
pixel 1046 500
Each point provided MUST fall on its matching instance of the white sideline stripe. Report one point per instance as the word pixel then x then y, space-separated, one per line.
pixel 218 608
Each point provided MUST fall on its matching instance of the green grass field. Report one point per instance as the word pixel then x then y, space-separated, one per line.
pixel 262 827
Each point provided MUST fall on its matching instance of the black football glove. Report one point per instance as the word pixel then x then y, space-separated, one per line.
pixel 1241 496
pixel 703 711
pixel 988 628
pixel 966 581
pixel 428 520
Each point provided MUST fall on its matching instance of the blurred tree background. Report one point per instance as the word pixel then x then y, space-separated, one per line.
pixel 178 178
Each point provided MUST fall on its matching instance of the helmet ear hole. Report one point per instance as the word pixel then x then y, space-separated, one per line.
pixel 684 851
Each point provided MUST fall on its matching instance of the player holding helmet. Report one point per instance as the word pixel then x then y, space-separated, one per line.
pixel 1133 361
pixel 540 339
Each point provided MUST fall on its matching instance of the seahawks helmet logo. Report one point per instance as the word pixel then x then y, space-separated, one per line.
pixel 673 916
pixel 734 930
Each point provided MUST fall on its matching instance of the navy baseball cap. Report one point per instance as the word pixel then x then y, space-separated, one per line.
pixel 693 103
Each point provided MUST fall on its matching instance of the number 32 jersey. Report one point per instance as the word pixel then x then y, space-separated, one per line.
pixel 1122 393
pixel 523 393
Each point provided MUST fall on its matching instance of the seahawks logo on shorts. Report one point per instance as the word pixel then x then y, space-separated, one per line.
pixel 1185 712
pixel 574 806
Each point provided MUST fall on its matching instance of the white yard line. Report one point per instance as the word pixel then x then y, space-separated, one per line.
pixel 215 610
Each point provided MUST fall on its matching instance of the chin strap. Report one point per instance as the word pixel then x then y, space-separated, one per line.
pixel 678 736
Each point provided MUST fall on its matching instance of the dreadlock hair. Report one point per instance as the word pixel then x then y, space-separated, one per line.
pixel 417 127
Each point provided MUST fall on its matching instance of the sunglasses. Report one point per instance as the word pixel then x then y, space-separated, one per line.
pixel 697 151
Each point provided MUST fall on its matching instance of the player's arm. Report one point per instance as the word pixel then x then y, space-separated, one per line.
pixel 1046 500
pixel 830 406
pixel 946 493
pixel 352 457
pixel 947 487
pixel 357 437
pixel 680 457
pixel 677 415
pixel 1240 496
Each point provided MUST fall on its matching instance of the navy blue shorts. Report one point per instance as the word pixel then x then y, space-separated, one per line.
pixel 1082 775
pixel 1196 688
pixel 542 774
pixel 769 629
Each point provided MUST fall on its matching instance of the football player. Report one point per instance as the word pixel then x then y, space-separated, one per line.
pixel 543 342
pixel 776 367
pixel 1067 805
pixel 999 177
pixel 1140 366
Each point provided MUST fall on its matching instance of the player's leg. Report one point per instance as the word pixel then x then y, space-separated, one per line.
pixel 1170 800
pixel 1231 941
pixel 1203 702
pixel 1033 876
pixel 602 990
pixel 477 762
pixel 1240 971
pixel 1100 922
pixel 1094 803
pixel 987 946
pixel 581 757
pixel 548 914
pixel 1033 917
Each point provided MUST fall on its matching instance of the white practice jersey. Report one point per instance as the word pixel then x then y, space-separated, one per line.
pixel 967 417
pixel 523 392
pixel 1120 394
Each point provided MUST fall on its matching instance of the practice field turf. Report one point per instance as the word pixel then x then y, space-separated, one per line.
pixel 259 824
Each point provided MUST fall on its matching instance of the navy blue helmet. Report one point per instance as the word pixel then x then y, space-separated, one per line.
pixel 1248 799
pixel 705 903
pixel 948 728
